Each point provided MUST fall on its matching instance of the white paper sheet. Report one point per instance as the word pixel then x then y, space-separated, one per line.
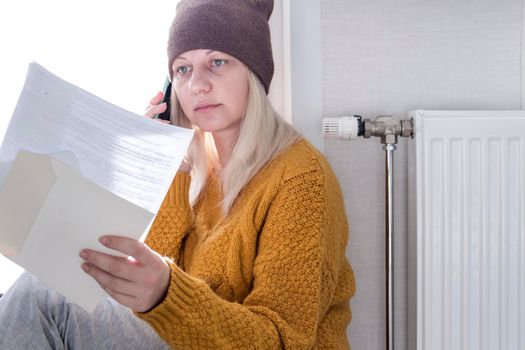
pixel 91 169
pixel 125 153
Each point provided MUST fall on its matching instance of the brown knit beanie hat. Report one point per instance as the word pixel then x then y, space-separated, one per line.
pixel 236 27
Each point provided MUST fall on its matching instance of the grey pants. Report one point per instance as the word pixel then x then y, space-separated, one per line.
pixel 35 317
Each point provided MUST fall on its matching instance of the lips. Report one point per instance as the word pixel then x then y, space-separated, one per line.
pixel 205 107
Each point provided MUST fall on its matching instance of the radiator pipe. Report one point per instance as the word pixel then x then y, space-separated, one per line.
pixel 388 128
pixel 389 239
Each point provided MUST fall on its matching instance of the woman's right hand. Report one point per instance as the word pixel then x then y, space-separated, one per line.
pixel 156 106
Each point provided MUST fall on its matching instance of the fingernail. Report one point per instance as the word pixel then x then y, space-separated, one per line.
pixel 85 267
pixel 84 254
pixel 104 240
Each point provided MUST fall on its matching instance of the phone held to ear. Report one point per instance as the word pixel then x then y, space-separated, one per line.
pixel 167 95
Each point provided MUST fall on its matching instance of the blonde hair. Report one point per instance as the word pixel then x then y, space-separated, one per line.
pixel 263 135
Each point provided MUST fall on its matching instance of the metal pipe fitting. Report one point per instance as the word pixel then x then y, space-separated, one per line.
pixel 388 128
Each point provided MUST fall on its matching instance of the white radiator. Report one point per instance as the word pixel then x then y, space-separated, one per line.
pixel 467 230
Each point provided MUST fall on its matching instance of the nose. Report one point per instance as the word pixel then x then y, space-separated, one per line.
pixel 199 82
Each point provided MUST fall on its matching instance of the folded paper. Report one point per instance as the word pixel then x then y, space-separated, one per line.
pixel 74 167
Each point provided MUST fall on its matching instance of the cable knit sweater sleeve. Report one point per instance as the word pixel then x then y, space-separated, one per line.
pixel 299 255
pixel 173 219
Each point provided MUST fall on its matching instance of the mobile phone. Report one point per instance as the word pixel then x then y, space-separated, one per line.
pixel 167 95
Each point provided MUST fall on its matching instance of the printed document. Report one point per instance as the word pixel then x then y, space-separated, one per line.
pixel 74 167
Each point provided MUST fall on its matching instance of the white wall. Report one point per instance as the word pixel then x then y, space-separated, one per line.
pixel 305 62
pixel 389 57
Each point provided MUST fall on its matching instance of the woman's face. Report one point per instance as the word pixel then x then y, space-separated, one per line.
pixel 212 88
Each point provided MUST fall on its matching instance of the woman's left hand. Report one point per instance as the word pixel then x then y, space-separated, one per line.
pixel 139 281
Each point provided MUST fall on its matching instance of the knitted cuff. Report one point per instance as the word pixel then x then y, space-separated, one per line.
pixel 182 292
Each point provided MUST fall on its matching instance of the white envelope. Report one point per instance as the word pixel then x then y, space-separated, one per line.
pixel 49 213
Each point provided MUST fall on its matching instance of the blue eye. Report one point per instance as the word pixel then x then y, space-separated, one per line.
pixel 183 69
pixel 218 62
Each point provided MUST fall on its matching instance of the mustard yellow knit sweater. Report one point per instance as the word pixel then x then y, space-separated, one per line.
pixel 271 275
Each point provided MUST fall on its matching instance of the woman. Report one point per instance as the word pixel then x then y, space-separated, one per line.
pixel 248 248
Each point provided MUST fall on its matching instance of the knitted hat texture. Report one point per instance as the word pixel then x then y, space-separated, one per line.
pixel 236 27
